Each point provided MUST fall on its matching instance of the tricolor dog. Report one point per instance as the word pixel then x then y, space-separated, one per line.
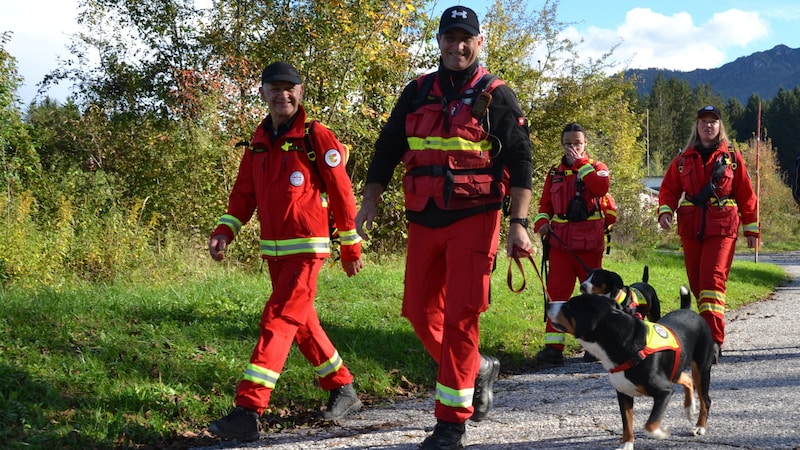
pixel 644 358
pixel 638 299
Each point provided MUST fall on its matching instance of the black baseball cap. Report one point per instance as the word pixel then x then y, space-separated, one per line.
pixel 280 71
pixel 459 17
pixel 709 110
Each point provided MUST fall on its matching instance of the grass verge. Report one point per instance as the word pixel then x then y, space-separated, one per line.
pixel 148 365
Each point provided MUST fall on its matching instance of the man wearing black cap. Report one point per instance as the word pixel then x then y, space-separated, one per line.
pixel 708 186
pixel 291 191
pixel 465 144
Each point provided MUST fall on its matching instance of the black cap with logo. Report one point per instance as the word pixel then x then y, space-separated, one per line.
pixel 459 17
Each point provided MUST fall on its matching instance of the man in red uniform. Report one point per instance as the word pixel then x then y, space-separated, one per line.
pixel 464 142
pixel 571 219
pixel 291 192
pixel 708 186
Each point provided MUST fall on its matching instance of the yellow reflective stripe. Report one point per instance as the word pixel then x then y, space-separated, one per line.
pixel 622 296
pixel 458 398
pixel 261 375
pixel 232 222
pixel 585 170
pixel 751 227
pixel 447 144
pixel 595 216
pixel 541 216
pixel 711 301
pixel 712 202
pixel 349 237
pixel 330 366
pixel 713 295
pixel 315 245
pixel 554 337
pixel 712 308
pixel 665 209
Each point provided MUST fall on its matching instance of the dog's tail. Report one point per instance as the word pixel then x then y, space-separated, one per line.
pixel 686 298
pixel 646 274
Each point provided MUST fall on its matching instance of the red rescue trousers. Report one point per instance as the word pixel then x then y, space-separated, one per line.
pixel 708 263
pixel 564 268
pixel 289 315
pixel 448 273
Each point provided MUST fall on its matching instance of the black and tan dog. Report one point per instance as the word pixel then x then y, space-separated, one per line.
pixel 638 299
pixel 644 358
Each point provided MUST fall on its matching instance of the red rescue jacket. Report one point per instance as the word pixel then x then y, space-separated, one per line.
pixel 720 215
pixel 560 188
pixel 291 195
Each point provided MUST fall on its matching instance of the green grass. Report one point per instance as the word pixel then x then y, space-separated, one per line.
pixel 125 365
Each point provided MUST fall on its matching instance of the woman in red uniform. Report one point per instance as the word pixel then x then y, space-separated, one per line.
pixel 571 218
pixel 708 186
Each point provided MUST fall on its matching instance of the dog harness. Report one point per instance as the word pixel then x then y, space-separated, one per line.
pixel 659 338
pixel 635 299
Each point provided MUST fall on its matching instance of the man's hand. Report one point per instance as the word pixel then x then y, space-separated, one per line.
pixel 352 267
pixel 366 214
pixel 519 243
pixel 545 229
pixel 665 221
pixel 217 245
pixel 369 209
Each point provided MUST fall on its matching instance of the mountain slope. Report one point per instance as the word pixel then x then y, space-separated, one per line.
pixel 762 73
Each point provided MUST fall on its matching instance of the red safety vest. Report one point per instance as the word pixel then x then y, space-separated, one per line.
pixel 449 157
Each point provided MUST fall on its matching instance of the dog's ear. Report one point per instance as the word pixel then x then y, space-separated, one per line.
pixel 616 281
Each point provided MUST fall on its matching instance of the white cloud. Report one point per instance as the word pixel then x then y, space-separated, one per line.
pixel 648 39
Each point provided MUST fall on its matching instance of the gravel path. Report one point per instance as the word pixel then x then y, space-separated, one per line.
pixel 755 394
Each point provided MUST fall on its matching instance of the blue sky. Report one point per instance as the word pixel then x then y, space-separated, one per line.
pixel 670 34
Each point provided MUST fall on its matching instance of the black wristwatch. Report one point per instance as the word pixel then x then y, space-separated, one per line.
pixel 520 220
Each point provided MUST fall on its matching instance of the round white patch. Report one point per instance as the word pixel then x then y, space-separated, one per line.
pixel 333 158
pixel 296 178
pixel 602 173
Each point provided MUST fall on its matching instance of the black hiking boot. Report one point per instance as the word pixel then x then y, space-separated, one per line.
pixel 446 436
pixel 483 398
pixel 550 355
pixel 241 424
pixel 341 402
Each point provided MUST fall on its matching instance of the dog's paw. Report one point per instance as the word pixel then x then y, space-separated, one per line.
pixel 659 433
pixel 626 446
pixel 690 411
pixel 699 431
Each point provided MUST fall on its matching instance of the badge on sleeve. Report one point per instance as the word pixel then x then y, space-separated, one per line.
pixel 297 178
pixel 333 158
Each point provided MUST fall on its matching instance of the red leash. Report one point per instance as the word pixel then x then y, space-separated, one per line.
pixel 516 254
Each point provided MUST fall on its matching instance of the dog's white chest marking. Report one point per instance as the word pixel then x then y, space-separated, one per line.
pixel 623 385
pixel 617 379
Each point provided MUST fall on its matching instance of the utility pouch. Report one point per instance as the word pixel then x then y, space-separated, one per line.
pixel 577 210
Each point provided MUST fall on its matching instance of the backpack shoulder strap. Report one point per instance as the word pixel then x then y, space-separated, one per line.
pixel 423 88
pixel 312 154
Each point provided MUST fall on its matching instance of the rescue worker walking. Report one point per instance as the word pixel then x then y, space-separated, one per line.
pixel 571 221
pixel 464 141
pixel 708 186
pixel 278 177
